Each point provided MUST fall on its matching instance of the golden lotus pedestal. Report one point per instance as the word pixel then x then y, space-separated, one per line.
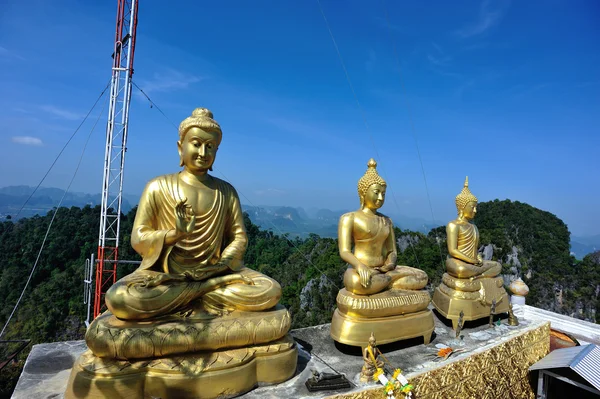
pixel 219 374
pixel 192 357
pixel 392 315
pixel 473 297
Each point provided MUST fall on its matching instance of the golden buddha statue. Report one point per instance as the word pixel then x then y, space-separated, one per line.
pixel 372 362
pixel 379 296
pixel 192 320
pixel 470 284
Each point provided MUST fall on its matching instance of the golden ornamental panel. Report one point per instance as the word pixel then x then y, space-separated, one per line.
pixel 496 373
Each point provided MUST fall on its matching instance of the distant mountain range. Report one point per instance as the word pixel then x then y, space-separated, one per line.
pixel 581 246
pixel 296 221
pixel 301 222
pixel 12 199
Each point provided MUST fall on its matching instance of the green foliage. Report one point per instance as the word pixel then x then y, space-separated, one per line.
pixel 541 242
pixel 426 252
pixel 9 377
pixel 52 307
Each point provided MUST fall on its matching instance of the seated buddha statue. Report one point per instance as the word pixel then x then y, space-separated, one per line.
pixel 378 296
pixel 470 284
pixel 192 297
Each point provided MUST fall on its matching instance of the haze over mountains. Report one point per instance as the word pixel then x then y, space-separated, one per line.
pixel 296 221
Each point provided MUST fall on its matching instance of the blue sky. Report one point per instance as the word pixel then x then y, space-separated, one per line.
pixel 505 92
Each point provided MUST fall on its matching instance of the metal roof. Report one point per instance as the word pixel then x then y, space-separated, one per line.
pixel 584 360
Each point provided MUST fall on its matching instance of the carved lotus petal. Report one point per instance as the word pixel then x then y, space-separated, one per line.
pixel 176 341
pixel 138 343
pixel 101 342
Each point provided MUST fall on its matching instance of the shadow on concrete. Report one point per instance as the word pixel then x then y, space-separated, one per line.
pixel 302 361
pixel 471 323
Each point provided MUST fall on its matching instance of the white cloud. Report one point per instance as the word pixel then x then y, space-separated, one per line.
pixel 169 80
pixel 4 52
pixel 62 113
pixel 440 62
pixel 490 14
pixel 27 140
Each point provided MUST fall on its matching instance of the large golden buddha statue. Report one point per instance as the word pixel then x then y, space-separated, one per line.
pixel 470 283
pixel 379 296
pixel 192 320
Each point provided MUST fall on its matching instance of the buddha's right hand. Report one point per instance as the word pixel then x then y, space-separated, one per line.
pixel 365 275
pixel 185 219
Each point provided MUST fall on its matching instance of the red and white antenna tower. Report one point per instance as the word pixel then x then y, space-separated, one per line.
pixel 114 157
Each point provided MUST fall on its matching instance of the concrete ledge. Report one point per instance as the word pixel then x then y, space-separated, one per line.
pixel 584 331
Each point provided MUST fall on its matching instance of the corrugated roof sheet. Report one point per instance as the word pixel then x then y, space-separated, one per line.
pixel 588 366
pixel 584 360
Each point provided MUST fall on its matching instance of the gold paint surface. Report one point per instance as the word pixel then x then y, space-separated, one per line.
pixel 189 230
pixel 500 372
pixel 110 337
pixel 224 373
pixel 378 296
pixel 366 241
pixel 392 302
pixel 191 295
pixel 473 309
pixel 356 331
pixel 470 283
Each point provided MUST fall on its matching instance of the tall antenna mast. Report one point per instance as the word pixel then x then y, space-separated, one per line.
pixel 114 156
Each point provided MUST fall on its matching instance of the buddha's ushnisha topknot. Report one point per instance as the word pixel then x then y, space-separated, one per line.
pixel 202 118
pixel 369 178
pixel 465 196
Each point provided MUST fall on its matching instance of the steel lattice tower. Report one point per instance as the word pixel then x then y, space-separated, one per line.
pixel 114 157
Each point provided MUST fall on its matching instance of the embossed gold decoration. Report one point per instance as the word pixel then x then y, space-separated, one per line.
pixel 470 283
pixel 192 300
pixel 500 372
pixel 379 296
pixel 202 375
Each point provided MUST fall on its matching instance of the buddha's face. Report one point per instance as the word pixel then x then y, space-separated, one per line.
pixel 375 196
pixel 198 149
pixel 470 210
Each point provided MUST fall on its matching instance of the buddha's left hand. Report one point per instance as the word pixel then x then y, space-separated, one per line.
pixel 158 279
pixel 205 272
pixel 387 267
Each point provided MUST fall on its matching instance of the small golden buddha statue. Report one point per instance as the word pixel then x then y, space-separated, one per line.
pixel 192 317
pixel 512 319
pixel 372 361
pixel 470 283
pixel 379 296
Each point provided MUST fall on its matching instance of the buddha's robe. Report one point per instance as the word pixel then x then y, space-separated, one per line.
pixel 468 244
pixel 374 245
pixel 219 236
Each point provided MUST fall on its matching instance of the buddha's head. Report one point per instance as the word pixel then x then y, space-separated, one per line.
pixel 466 202
pixel 372 341
pixel 371 188
pixel 199 139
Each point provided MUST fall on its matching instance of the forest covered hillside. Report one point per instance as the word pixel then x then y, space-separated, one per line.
pixel 530 243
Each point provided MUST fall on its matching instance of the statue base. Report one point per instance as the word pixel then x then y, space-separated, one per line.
pixel 110 337
pixel 356 331
pixel 474 305
pixel 212 374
